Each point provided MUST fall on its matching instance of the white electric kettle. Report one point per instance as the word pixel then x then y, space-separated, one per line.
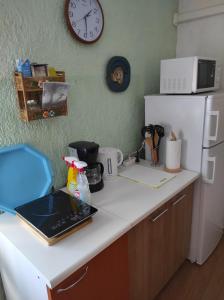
pixel 111 158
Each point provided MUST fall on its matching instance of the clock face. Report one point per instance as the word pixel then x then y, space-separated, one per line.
pixel 85 19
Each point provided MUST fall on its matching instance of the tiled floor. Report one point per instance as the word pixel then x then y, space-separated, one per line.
pixel 193 282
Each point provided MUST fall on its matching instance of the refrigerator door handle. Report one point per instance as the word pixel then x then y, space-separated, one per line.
pixel 214 114
pixel 211 164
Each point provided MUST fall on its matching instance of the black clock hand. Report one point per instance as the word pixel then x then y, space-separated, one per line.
pixel 85 19
pixel 87 15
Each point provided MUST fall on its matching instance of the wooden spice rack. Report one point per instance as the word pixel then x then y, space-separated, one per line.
pixel 28 89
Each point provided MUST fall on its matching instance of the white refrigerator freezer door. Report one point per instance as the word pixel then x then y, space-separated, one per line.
pixel 185 116
pixel 214 120
pixel 212 202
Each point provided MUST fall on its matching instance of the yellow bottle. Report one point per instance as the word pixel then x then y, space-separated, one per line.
pixel 72 179
pixel 74 166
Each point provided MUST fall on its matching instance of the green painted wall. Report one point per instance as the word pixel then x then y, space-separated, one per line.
pixel 142 31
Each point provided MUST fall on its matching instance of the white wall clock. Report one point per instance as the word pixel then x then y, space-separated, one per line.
pixel 85 19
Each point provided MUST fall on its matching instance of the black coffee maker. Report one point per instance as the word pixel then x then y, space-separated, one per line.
pixel 88 152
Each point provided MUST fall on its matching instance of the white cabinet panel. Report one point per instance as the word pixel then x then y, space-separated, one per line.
pixel 20 279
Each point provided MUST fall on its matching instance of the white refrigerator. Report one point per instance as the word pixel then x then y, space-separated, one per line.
pixel 199 121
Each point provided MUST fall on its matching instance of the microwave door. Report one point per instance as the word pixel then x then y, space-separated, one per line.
pixel 206 74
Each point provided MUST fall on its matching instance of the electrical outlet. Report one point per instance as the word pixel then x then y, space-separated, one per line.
pixel 129 161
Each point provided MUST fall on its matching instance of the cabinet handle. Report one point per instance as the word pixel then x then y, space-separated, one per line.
pixel 74 284
pixel 179 199
pixel 160 215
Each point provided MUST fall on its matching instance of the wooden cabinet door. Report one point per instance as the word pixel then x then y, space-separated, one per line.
pixel 104 277
pixel 180 229
pixel 157 232
pixel 159 245
pixel 147 255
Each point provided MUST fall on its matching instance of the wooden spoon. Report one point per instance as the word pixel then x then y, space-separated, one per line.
pixel 148 141
pixel 173 136
pixel 156 144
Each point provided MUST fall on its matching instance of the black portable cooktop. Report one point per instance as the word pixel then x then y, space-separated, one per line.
pixel 55 214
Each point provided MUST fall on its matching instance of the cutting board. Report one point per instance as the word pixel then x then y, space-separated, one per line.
pixel 149 176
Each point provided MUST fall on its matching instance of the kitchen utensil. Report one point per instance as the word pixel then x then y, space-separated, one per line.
pixel 111 158
pixel 148 134
pixel 160 132
pixel 152 132
pixel 173 136
pixel 156 133
pixel 84 151
pixel 156 144
pixel 144 130
pixel 153 152
pixel 148 141
pixel 94 175
pixel 88 152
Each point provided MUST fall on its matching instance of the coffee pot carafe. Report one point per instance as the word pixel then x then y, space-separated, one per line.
pixel 88 152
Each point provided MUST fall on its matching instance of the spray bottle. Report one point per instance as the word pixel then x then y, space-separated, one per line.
pixel 77 183
pixel 83 186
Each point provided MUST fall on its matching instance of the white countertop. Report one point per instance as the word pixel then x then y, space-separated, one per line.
pixel 122 204
pixel 133 201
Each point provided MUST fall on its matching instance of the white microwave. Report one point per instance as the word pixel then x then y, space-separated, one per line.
pixel 189 75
